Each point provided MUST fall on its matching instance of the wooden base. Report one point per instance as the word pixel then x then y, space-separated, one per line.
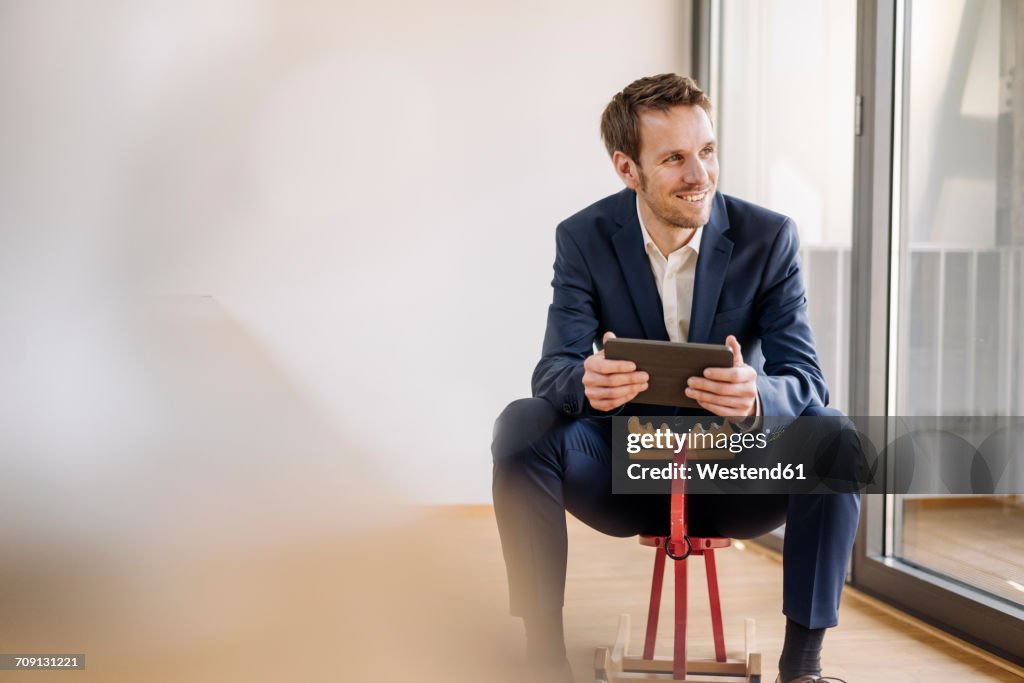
pixel 615 665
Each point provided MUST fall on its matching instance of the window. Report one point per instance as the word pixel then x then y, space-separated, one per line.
pixel 785 115
pixel 892 131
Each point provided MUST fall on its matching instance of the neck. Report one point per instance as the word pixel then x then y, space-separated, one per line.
pixel 667 237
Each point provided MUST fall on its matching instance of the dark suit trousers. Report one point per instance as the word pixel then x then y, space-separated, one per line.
pixel 546 464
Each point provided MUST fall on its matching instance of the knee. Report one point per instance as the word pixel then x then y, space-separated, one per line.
pixel 829 421
pixel 821 411
pixel 520 425
pixel 839 457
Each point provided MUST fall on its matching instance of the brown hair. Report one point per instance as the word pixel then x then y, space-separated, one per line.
pixel 620 122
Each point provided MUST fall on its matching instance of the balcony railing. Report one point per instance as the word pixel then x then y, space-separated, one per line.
pixel 961 314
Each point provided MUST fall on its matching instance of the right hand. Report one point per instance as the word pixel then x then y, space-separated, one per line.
pixel 609 384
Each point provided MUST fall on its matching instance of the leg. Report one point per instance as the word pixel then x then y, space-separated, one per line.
pixel 819 538
pixel 655 605
pixel 820 530
pixel 544 464
pixel 679 645
pixel 716 605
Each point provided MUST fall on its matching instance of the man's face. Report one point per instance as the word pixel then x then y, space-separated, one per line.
pixel 678 165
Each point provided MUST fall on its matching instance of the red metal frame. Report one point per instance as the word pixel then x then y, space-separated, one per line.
pixel 677 543
pixel 652 612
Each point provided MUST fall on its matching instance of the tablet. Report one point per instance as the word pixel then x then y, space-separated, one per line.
pixel 670 365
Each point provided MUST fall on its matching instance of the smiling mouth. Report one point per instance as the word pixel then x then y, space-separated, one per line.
pixel 694 197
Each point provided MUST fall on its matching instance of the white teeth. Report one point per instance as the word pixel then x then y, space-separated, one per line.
pixel 694 197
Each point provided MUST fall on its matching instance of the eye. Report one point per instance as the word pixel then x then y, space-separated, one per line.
pixel 673 158
pixel 708 151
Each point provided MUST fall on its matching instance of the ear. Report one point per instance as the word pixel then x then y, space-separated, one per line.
pixel 627 169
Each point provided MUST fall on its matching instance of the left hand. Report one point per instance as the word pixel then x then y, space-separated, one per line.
pixel 727 392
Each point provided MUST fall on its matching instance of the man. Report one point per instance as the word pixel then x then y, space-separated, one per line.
pixel 667 258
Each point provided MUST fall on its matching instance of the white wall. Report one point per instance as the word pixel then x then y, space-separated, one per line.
pixel 370 188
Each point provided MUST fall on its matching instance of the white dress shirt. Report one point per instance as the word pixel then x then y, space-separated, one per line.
pixel 673 277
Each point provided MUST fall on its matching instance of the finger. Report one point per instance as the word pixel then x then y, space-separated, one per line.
pixel 607 403
pixel 743 373
pixel 718 409
pixel 615 380
pixel 610 405
pixel 733 402
pixel 737 352
pixel 606 393
pixel 723 388
pixel 605 366
pixel 722 408
pixel 594 358
pixel 607 335
pixel 621 394
pixel 603 393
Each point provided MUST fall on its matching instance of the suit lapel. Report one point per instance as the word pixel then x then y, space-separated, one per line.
pixel 636 268
pixel 715 252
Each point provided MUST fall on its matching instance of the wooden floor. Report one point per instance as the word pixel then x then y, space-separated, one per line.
pixel 979 541
pixel 247 540
pixel 422 598
pixel 607 576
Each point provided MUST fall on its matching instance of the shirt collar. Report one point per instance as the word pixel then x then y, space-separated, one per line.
pixel 649 244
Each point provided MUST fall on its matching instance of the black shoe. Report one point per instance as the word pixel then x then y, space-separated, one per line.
pixel 810 678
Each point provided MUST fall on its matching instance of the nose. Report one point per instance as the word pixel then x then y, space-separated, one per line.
pixel 694 173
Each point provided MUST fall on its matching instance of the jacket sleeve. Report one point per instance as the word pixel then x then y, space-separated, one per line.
pixel 572 328
pixel 792 379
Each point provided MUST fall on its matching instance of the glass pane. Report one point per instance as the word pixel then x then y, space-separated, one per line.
pixel 960 308
pixel 785 114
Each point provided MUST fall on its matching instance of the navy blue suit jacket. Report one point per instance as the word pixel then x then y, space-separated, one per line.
pixel 747 283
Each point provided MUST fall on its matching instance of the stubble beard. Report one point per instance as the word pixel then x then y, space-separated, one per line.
pixel 669 216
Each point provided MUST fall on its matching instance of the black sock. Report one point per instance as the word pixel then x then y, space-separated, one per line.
pixel 545 638
pixel 801 652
